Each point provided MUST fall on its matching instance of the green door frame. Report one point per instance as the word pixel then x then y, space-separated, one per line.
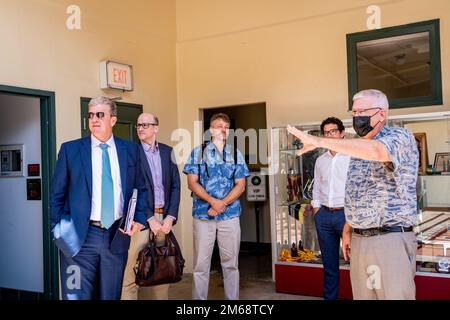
pixel 48 151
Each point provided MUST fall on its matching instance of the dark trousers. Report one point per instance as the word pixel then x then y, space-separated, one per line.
pixel 329 225
pixel 94 269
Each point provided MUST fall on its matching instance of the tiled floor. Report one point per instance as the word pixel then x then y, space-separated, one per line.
pixel 255 282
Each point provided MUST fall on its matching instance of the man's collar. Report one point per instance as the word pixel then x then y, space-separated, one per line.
pixel 210 145
pixel 382 132
pixel 147 147
pixel 95 142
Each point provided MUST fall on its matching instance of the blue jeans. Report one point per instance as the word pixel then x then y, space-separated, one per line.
pixel 329 225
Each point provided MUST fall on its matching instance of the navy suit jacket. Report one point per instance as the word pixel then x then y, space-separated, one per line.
pixel 170 179
pixel 71 195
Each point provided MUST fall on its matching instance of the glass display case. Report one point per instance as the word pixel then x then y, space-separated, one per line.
pixel 295 234
pixel 295 242
pixel 433 193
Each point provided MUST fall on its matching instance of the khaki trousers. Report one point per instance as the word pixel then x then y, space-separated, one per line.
pixel 130 290
pixel 383 267
pixel 229 239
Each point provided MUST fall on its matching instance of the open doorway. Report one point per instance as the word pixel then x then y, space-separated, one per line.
pixel 29 260
pixel 255 261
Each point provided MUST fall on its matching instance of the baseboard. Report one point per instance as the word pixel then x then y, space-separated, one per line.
pixel 19 295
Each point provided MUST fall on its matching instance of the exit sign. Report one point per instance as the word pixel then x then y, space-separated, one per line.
pixel 116 75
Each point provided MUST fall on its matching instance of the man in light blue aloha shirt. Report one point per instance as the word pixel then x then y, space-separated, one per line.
pixel 216 183
pixel 380 200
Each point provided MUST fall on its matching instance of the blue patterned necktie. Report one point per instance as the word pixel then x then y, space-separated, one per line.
pixel 107 210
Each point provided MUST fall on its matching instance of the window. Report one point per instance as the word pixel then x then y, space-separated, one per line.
pixel 403 61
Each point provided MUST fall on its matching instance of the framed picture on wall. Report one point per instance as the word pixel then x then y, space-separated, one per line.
pixel 442 162
pixel 421 140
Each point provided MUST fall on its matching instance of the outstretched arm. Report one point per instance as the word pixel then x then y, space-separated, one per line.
pixel 365 149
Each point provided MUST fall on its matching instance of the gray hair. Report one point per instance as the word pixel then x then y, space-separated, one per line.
pixel 379 99
pixel 104 101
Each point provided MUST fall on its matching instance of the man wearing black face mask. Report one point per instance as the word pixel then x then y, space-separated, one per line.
pixel 380 200
pixel 361 124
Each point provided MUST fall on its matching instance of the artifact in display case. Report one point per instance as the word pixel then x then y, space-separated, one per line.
pixel 294 187
pixel 433 239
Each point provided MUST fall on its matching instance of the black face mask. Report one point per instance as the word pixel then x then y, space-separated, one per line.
pixel 361 124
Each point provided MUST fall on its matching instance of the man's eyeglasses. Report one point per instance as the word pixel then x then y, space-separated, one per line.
pixel 145 125
pixel 99 115
pixel 357 113
pixel 331 132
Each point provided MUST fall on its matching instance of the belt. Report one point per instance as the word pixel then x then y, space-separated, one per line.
pixel 97 224
pixel 333 209
pixel 382 230
pixel 159 210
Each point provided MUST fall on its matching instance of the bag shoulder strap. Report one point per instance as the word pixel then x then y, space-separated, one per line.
pixel 174 241
pixel 235 156
pixel 201 154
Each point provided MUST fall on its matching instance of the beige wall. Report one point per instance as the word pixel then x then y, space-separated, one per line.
pixel 290 54
pixel 39 52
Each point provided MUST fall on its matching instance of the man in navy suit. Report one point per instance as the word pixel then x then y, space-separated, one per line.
pixel 92 185
pixel 162 181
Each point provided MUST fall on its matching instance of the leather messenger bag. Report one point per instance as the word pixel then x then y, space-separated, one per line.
pixel 159 265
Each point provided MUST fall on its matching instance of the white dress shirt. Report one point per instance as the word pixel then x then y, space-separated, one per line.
pixel 97 178
pixel 330 175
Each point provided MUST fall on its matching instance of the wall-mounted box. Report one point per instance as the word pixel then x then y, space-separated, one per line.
pixel 34 189
pixel 11 160
pixel 256 187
